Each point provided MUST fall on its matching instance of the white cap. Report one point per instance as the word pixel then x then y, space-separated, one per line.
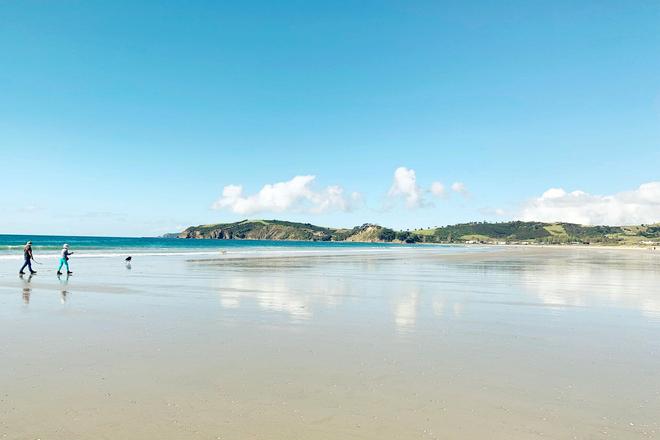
pixel 66 246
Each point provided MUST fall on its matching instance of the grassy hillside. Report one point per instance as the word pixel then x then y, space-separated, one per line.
pixel 542 233
pixel 260 230
pixel 515 232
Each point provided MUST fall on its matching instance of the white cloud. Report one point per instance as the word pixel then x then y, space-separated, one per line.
pixel 405 185
pixel 438 189
pixel 641 205
pixel 460 188
pixel 293 195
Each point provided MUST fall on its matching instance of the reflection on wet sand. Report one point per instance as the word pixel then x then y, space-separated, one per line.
pixel 26 288
pixel 26 291
pixel 276 286
pixel 280 292
pixel 64 281
pixel 405 310
pixel 273 294
pixel 299 285
pixel 612 281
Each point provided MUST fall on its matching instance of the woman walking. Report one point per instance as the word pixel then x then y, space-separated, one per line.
pixel 64 260
pixel 27 255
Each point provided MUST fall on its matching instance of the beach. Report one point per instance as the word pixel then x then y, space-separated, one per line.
pixel 428 342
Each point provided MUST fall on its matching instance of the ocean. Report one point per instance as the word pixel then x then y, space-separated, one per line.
pixel 11 246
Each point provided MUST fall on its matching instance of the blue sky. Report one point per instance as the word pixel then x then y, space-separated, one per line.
pixel 130 118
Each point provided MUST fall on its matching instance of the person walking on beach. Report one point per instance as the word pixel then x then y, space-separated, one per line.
pixel 28 256
pixel 64 260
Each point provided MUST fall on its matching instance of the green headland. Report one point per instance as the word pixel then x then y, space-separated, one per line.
pixel 512 232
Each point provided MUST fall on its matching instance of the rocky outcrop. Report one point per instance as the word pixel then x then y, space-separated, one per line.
pixel 220 234
pixel 260 230
pixel 366 233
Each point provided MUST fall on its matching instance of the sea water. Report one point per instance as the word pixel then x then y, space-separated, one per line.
pixel 48 246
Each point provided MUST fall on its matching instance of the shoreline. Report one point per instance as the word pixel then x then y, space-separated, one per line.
pixel 266 251
pixel 421 243
pixel 570 246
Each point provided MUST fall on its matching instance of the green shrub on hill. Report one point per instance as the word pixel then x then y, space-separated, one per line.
pixel 509 232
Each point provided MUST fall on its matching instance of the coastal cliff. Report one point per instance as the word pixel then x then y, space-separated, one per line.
pixel 281 230
pixel 260 230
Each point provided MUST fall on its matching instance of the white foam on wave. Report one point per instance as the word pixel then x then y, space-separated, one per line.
pixel 224 253
pixel 48 256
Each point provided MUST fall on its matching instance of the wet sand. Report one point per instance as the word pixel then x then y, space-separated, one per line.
pixel 497 343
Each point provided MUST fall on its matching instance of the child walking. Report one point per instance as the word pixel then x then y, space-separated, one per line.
pixel 64 260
